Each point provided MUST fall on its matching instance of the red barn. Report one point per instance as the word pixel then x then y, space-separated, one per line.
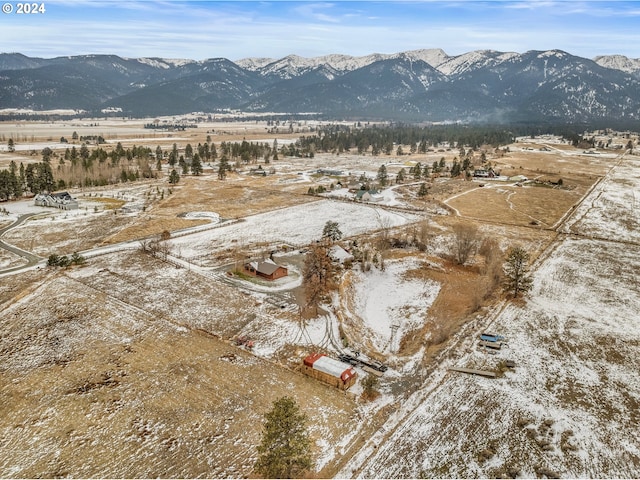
pixel 329 370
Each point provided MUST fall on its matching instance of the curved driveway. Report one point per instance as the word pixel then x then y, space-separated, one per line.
pixel 30 257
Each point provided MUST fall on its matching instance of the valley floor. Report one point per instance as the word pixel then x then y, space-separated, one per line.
pixel 128 366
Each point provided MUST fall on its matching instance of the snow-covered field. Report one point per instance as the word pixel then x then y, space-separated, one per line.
pixel 612 211
pixel 298 225
pixel 389 305
pixel 571 407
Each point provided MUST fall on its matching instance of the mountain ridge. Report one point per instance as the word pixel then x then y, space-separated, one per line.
pixel 423 84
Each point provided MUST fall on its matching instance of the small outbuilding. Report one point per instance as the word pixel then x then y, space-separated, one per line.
pixel 339 254
pixel 329 370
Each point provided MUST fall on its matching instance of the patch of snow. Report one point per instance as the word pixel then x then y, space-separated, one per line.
pixel 391 305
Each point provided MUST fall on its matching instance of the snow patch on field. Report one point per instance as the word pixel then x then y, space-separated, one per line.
pixel 212 216
pixel 388 302
pixel 298 225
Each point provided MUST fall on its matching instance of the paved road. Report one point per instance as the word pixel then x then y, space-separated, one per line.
pixel 31 259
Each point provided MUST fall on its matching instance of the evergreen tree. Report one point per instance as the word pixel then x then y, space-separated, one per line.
pixel 382 176
pixel 517 271
pixel 331 231
pixel 196 165
pixel 285 450
pixel 174 177
pixel 417 171
pixel 173 156
pixel 23 179
pixel 11 146
pixel 455 168
pixel 5 185
pixel 423 190
pixel 223 168
pixel 317 274
pixel 400 176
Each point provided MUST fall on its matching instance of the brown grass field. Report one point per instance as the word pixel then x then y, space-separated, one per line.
pixel 97 386
pixel 124 368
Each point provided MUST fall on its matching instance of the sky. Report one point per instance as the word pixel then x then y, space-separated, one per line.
pixel 239 29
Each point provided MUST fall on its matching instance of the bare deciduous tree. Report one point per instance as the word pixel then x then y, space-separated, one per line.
pixel 493 260
pixel 466 242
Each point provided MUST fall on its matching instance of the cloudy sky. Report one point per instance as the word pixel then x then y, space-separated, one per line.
pixel 238 29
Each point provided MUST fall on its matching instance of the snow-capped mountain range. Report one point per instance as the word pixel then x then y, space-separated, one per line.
pixel 427 84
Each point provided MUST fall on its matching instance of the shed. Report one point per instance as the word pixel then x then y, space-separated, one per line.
pixel 339 254
pixel 329 370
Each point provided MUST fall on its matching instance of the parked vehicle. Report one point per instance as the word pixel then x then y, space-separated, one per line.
pixel 490 337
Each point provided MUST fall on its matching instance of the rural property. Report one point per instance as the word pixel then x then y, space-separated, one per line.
pixel 189 310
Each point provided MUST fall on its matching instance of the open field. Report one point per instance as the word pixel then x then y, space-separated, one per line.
pixel 570 405
pixel 136 355
pixel 105 375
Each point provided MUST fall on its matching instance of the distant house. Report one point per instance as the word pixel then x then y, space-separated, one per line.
pixel 266 269
pixel 61 200
pixel 518 178
pixel 258 171
pixel 328 171
pixel 368 196
pixel 354 186
pixel 481 173
pixel 339 254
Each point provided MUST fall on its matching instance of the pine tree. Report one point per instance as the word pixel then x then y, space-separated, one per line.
pixel 317 274
pixel 223 168
pixel 382 176
pixel 517 271
pixel 174 177
pixel 196 165
pixel 285 450
pixel 331 231
pixel 423 190
pixel 400 176
pixel 417 171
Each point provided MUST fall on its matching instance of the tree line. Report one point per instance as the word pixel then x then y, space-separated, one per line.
pixel 384 139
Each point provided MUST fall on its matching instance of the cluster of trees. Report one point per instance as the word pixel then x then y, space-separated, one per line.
pixel 64 261
pixel 36 178
pixel 383 140
pixel 85 167
pixel 318 272
pixel 249 152
pixel 12 184
pixel 190 160
pixel 76 167
pixel 380 140
pixel 513 274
